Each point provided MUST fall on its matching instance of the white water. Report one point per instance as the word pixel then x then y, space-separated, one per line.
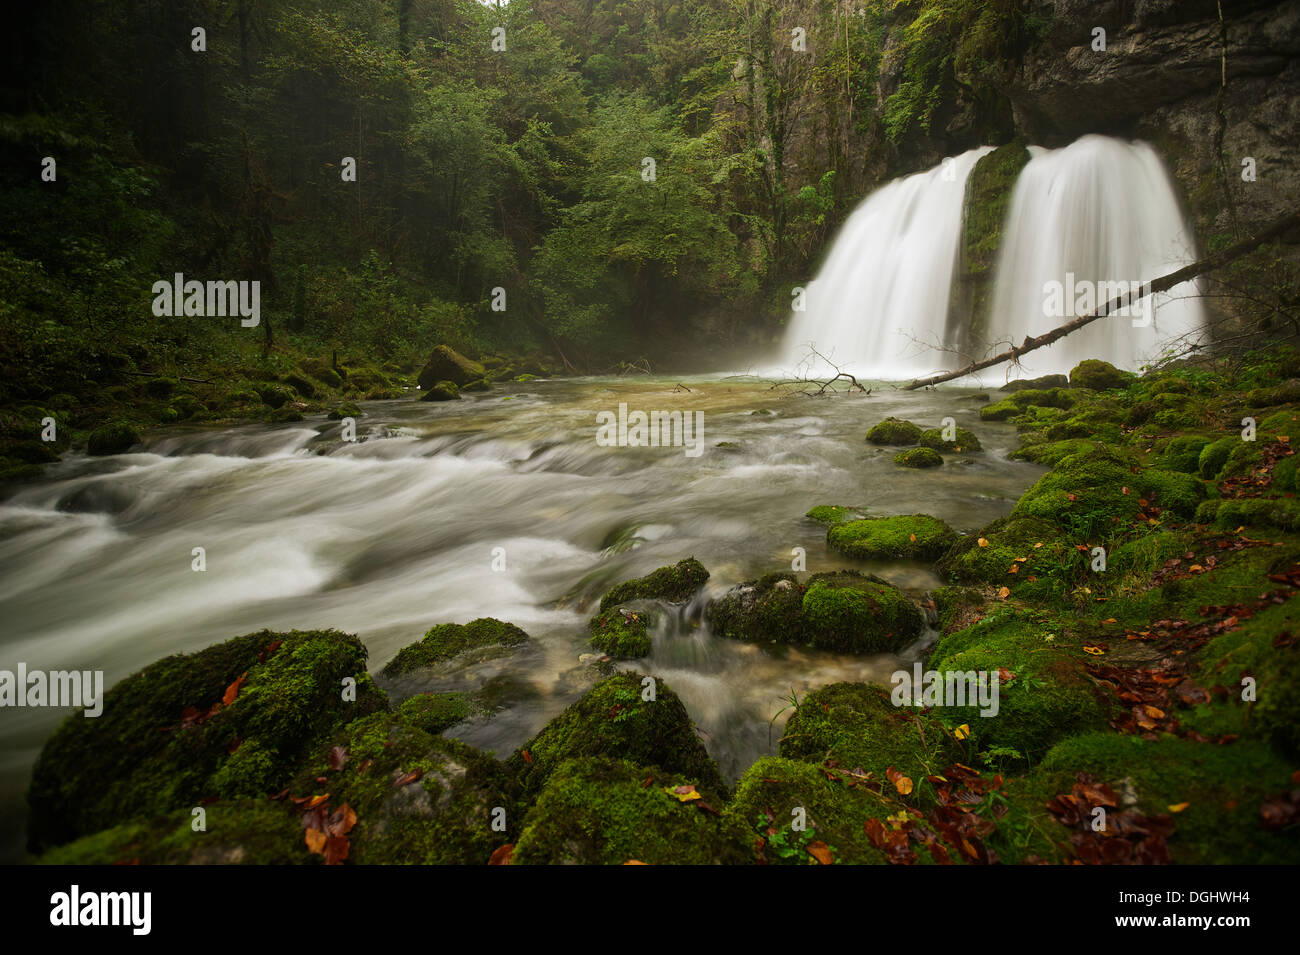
pixel 879 305
pixel 1104 210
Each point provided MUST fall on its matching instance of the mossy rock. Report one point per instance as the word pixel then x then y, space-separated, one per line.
pixel 301 384
pixel 952 601
pixel 1280 513
pixel 908 536
pixel 441 391
pixel 615 719
pixel 1242 460
pixel 894 431
pixel 420 799
pixel 675 584
pixel 284 414
pixel 525 377
pixel 1043 383
pixel 347 409
pixel 274 396
pixel 115 438
pixel 154 748
pixel 918 458
pixel 1183 454
pixel 835 514
pixel 603 811
pixel 1047 695
pixel 767 610
pixel 1034 546
pixel 622 633
pixel 775 792
pixel 186 406
pixel 1213 457
pixel 435 712
pixel 849 612
pixel 160 387
pixel 1223 787
pixel 239 832
pixel 483 638
pixel 322 371
pixel 1284 423
pixel 478 384
pixel 858 727
pixel 963 442
pixel 1050 453
pixel 447 364
pixel 1098 375
pixel 1091 493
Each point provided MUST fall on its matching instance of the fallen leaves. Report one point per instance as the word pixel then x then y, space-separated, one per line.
pixel 338 757
pixel 232 691
pixel 683 793
pixel 326 833
pixel 1127 838
pixel 405 779
pixel 503 854
pixel 821 852
pixel 902 783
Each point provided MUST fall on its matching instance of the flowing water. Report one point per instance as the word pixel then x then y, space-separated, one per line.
pixel 389 535
pixel 1103 211
pixel 879 303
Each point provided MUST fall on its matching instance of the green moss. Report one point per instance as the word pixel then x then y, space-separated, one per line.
pixel 918 458
pixel 1098 375
pixel 480 384
pixel 834 514
pixel 951 601
pixel 445 816
pixel 1214 456
pixel 600 811
pixel 913 536
pixel 1051 453
pixel 1222 785
pixel 446 365
pixel 622 633
pixel 347 409
pixel 435 712
pixel 283 414
pixel 676 584
pixel 1019 401
pixel 767 610
pixel 1045 562
pixel 776 793
pixel 160 387
pixel 964 441
pixel 441 391
pixel 1244 457
pixel 486 637
pixel 1254 512
pixel 615 719
pixel 858 727
pixel 138 759
pixel 242 832
pixel 117 438
pixel 988 192
pixel 894 431
pixel 1048 696
pixel 1183 454
pixel 852 613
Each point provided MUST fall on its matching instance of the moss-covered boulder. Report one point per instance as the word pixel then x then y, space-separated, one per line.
pixel 347 409
pixel 483 639
pixel 622 717
pixel 238 832
pixel 909 536
pixel 842 611
pixel 1213 457
pixel 1097 374
pixel 1043 383
pixel 786 806
pixel 963 441
pixel 419 799
pixel 1183 454
pixel 441 391
pixel 228 721
pixel 435 712
pixel 918 458
pixel 857 726
pixel 622 633
pixel 1018 552
pixel 835 514
pixel 603 811
pixel 447 364
pixel 1090 493
pixel 479 384
pixel 988 192
pixel 675 584
pixel 1019 402
pixel 894 431
pixel 1044 694
pixel 116 438
pixel 283 414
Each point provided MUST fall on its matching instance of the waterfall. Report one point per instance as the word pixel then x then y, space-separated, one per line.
pixel 1098 212
pixel 879 304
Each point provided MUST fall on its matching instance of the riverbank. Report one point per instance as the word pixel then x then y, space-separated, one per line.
pixel 1130 674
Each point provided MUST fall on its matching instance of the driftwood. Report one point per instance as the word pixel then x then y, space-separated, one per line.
pixel 1162 284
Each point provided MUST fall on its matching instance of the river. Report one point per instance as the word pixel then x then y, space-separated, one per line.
pixel 502 504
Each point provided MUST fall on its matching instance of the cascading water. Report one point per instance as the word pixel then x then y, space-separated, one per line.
pixel 879 304
pixel 1096 213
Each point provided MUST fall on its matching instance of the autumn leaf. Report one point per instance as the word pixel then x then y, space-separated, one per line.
pixel 1095 651
pixel 338 756
pixel 634 862
pixel 502 854
pixel 232 691
pixel 407 778
pixel 316 841
pixel 983 542
pixel 528 757
pixel 317 800
pixel 1004 592
pixel 682 793
pixel 962 732
pixel 336 850
pixel 1179 806
pixel 342 821
pixel 821 852
pixel 901 783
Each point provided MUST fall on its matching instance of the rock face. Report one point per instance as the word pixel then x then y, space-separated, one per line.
pixel 447 364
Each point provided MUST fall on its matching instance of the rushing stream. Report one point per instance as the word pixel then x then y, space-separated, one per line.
pixel 398 531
